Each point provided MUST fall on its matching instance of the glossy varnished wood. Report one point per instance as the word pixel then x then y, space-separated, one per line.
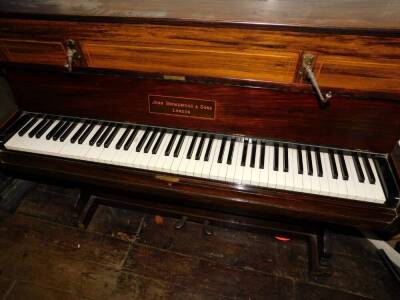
pixel 346 123
pixel 213 195
pixel 352 61
pixel 35 52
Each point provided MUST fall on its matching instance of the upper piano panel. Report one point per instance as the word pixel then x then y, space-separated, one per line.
pixel 355 45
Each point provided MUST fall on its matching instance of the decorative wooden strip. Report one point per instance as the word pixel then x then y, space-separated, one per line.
pixel 276 66
pixel 362 74
pixel 34 52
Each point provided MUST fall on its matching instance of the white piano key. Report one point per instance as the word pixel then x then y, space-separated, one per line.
pixel 214 164
pixel 205 173
pixel 161 152
pixel 272 175
pixel 324 180
pixel 170 158
pixel 352 186
pixel 190 168
pixel 143 158
pixel 315 180
pixel 289 176
pixel 180 163
pixel 246 177
pixel 230 171
pixel 131 160
pixel 200 163
pixel 293 166
pixel 264 173
pixel 380 194
pixel 109 153
pixel 70 148
pixel 280 175
pixel 223 166
pixel 95 151
pixel 153 157
pixel 342 185
pixel 307 179
pixel 255 172
pixel 328 176
pixel 239 169
pixel 370 191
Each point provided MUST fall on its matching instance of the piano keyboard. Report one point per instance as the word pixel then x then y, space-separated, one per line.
pixel 240 160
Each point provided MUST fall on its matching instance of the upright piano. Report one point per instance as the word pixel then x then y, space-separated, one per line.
pixel 274 114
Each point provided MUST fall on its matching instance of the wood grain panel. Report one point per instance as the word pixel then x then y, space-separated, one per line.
pixel 34 52
pixel 267 65
pixel 346 123
pixel 363 74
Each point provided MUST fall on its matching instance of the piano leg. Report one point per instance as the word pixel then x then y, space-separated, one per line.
pixel 317 239
pixel 88 211
pixel 320 251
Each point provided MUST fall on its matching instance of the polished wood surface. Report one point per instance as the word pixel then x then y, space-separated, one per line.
pixel 355 62
pixel 283 115
pixel 35 52
pixel 275 66
pixel 246 59
pixel 367 14
pixel 249 201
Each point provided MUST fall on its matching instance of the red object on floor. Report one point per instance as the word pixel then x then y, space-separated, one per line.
pixel 282 238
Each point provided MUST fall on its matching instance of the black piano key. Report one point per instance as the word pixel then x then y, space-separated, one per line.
pixel 320 171
pixel 368 169
pixel 309 161
pixel 54 130
pixel 262 156
pixel 343 167
pixel 28 126
pixel 221 150
pixel 332 162
pixel 159 141
pixel 112 136
pixel 244 153
pixel 97 135
pixel 191 147
pixel 67 132
pixel 285 158
pixel 79 132
pixel 171 143
pixel 357 166
pixel 300 169
pixel 178 146
pixel 208 150
pixel 253 153
pixel 230 153
pixel 151 140
pixel 88 130
pixel 61 131
pixel 201 146
pixel 131 137
pixel 105 134
pixel 43 130
pixel 36 129
pixel 123 137
pixel 140 145
pixel 276 157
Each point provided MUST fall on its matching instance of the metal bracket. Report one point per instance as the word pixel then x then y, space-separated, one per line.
pixel 72 54
pixel 181 223
pixel 307 73
pixel 207 229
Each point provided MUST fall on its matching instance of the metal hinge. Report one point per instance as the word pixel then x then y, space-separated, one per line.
pixel 307 73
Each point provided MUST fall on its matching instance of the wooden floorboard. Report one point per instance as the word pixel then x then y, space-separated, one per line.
pixel 125 254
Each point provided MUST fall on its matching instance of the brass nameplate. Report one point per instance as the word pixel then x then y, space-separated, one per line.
pixel 184 107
